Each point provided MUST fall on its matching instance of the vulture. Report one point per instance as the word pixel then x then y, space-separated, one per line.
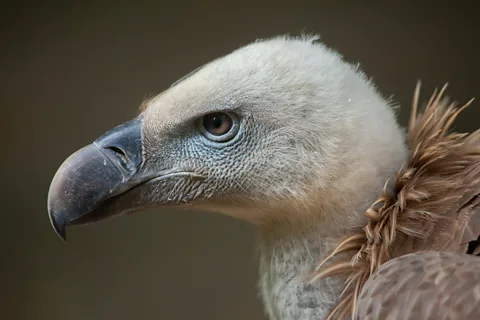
pixel 357 217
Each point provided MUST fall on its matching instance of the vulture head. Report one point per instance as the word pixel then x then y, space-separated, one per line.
pixel 279 130
pixel 282 133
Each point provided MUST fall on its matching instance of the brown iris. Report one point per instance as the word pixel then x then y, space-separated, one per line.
pixel 217 124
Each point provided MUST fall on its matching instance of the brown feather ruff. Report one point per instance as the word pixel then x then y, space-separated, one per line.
pixel 430 208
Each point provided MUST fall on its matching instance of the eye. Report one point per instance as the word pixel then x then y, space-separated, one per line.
pixel 219 126
pixel 218 123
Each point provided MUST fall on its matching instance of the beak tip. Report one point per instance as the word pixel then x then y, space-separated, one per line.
pixel 61 233
pixel 58 224
pixel 59 227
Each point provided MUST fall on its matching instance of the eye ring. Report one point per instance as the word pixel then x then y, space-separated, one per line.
pixel 219 126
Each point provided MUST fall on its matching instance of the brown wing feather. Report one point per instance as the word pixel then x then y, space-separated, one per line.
pixel 434 206
pixel 429 285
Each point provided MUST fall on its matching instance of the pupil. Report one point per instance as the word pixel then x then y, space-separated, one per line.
pixel 217 122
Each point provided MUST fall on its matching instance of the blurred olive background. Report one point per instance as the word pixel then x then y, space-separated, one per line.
pixel 70 71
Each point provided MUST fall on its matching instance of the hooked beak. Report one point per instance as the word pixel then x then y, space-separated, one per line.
pixel 103 179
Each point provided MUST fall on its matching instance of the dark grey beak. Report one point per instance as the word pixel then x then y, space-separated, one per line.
pixel 84 188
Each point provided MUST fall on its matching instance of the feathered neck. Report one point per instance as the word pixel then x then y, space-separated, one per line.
pixel 287 258
pixel 290 250
pixel 428 195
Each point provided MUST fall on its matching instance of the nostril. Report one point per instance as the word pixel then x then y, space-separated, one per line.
pixel 122 145
pixel 120 155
